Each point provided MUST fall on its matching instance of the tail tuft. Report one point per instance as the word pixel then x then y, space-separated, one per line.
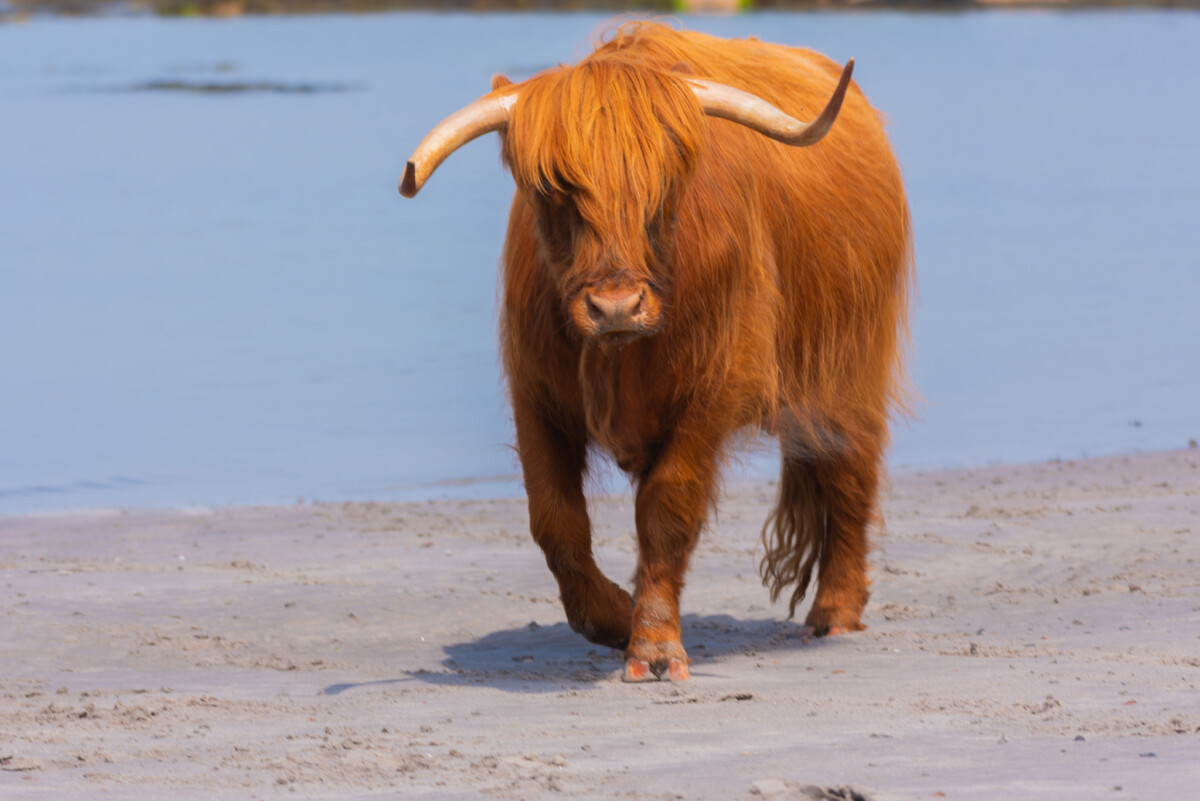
pixel 795 534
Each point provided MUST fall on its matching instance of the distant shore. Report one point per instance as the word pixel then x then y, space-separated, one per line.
pixel 16 10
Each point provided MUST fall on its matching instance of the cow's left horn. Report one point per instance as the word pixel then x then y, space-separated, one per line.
pixel 719 100
pixel 488 113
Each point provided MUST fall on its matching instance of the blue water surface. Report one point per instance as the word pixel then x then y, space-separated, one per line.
pixel 216 298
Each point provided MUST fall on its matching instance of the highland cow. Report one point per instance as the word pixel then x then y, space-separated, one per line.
pixel 685 258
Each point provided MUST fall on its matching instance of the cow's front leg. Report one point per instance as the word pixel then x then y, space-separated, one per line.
pixel 672 503
pixel 553 461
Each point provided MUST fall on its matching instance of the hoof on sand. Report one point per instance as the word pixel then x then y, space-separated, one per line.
pixel 638 670
pixel 677 670
pixel 811 632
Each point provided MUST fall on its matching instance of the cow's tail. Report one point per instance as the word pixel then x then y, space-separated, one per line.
pixel 796 533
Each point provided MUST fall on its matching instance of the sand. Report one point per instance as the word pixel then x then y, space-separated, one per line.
pixel 1034 632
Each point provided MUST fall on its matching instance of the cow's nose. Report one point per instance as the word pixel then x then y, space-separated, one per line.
pixel 616 310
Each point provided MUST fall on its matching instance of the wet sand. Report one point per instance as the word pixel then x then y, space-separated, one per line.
pixel 1034 632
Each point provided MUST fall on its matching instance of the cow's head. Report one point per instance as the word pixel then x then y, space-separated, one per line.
pixel 601 152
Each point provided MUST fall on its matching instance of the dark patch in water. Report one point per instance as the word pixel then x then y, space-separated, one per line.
pixel 115 482
pixel 219 67
pixel 238 87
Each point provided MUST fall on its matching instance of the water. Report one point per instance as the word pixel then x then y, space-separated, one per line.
pixel 212 298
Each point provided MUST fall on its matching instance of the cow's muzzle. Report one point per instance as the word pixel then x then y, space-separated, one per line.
pixel 620 311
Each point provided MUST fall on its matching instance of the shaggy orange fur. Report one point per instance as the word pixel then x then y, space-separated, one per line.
pixel 778 280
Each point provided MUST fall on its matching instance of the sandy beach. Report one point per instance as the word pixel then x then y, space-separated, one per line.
pixel 1033 632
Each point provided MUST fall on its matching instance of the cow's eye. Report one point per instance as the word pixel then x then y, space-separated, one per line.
pixel 658 231
pixel 556 218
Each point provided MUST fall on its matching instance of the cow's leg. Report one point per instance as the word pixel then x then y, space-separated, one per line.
pixel 673 500
pixel 849 486
pixel 553 462
pixel 825 507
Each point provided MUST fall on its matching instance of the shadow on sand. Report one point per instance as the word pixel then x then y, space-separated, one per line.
pixel 533 658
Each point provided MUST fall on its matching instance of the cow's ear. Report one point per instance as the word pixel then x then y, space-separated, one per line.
pixel 684 68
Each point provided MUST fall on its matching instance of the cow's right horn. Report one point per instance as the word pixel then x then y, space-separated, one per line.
pixel 488 113
pixel 726 102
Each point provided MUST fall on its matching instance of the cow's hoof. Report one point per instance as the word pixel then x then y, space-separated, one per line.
pixel 638 670
pixel 835 613
pixel 829 621
pixel 812 632
pixel 677 670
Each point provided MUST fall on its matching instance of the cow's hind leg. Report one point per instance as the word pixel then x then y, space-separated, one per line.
pixel 825 508
pixel 553 462
pixel 850 485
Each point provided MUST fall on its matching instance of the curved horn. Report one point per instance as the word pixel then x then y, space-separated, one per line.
pixel 719 100
pixel 488 113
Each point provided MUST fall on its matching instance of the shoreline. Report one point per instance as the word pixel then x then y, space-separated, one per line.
pixel 1032 628
pixel 745 468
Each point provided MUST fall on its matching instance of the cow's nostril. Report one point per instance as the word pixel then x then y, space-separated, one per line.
pixel 595 313
pixel 635 308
